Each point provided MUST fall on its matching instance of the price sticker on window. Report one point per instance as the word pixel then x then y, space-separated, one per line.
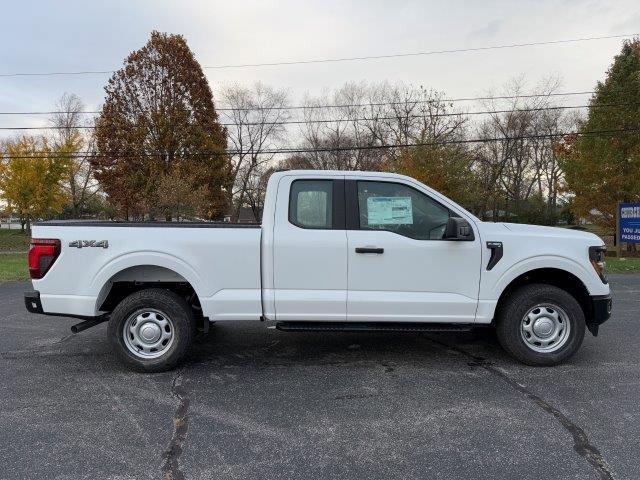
pixel 389 211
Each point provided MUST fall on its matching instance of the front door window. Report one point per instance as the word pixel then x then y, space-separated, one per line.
pixel 400 209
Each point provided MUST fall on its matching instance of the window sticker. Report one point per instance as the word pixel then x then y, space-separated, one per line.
pixel 389 211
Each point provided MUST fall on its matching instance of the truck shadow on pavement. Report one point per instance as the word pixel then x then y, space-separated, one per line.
pixel 249 345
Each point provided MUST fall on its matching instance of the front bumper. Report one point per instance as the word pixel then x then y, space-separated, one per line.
pixel 600 312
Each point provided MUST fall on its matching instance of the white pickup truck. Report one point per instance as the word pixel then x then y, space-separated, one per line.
pixel 335 251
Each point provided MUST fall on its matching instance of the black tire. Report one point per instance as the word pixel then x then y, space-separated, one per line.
pixel 168 304
pixel 519 303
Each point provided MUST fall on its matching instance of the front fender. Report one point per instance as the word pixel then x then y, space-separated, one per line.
pixel 586 275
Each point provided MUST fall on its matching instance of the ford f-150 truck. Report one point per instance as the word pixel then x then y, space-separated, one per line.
pixel 338 251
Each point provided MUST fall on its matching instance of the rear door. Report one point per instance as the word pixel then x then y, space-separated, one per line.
pixel 310 250
pixel 400 268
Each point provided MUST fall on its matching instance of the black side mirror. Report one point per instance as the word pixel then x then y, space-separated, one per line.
pixel 458 229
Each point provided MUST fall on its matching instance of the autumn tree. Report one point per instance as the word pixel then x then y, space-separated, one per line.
pixel 602 166
pixel 449 169
pixel 177 198
pixel 441 160
pixel 31 179
pixel 159 117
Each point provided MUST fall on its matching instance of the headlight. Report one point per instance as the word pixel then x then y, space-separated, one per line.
pixel 596 257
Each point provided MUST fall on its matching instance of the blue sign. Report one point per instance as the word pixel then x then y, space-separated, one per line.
pixel 629 215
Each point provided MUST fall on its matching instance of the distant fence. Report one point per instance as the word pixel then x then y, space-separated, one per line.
pixel 9 223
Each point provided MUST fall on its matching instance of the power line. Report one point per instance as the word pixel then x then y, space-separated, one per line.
pixel 345 120
pixel 342 59
pixel 326 149
pixel 416 54
pixel 353 105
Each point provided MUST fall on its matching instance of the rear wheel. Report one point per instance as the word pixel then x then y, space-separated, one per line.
pixel 151 330
pixel 541 325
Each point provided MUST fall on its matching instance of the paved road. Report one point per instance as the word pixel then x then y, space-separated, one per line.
pixel 253 403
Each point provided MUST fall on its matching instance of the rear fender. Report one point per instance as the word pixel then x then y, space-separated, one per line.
pixel 101 282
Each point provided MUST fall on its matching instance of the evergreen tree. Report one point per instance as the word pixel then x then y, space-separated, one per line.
pixel 603 169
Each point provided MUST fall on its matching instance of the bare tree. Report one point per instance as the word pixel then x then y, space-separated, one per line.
pixel 552 123
pixel 338 128
pixel 256 115
pixel 257 188
pixel 362 121
pixel 513 171
pixel 68 139
pixel 516 160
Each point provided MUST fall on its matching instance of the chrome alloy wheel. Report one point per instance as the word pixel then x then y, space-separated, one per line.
pixel 545 328
pixel 148 333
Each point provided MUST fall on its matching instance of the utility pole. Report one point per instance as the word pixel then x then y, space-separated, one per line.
pixel 617 233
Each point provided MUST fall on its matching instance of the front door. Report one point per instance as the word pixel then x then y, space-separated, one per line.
pixel 400 268
pixel 310 250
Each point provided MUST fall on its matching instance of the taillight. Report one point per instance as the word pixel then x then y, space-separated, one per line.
pixel 42 253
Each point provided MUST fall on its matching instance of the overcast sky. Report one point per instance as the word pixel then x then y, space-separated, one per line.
pixel 39 36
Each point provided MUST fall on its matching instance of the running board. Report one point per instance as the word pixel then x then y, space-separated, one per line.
pixel 371 327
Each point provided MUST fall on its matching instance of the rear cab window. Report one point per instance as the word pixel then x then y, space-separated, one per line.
pixel 311 204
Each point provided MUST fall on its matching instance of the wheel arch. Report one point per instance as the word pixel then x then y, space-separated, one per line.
pixel 557 277
pixel 131 273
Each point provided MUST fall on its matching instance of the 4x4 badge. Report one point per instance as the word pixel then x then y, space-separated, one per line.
pixel 89 243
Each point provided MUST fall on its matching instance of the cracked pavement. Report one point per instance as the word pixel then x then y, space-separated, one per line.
pixel 253 403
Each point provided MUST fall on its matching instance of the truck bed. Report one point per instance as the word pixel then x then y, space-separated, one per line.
pixel 220 261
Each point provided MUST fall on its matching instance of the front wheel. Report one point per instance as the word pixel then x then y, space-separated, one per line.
pixel 151 330
pixel 541 325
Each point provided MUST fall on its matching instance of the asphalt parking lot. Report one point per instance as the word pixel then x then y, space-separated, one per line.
pixel 252 403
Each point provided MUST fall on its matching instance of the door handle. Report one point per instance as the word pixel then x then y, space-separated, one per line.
pixel 377 250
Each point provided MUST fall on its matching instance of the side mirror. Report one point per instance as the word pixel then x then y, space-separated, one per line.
pixel 458 229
